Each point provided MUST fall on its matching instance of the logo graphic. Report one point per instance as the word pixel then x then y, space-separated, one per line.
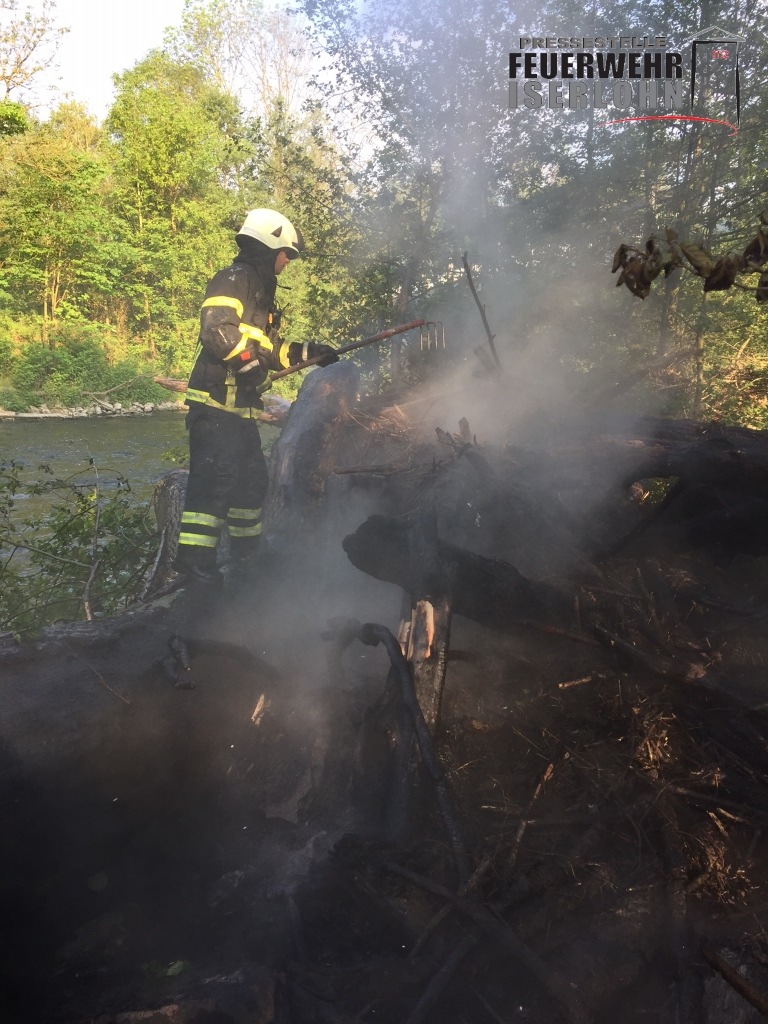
pixel 638 76
pixel 726 48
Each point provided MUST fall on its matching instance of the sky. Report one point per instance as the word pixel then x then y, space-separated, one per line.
pixel 104 38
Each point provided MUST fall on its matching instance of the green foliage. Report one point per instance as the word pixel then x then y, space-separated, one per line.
pixel 13 118
pixel 400 159
pixel 171 139
pixel 91 547
pixel 7 355
pixel 79 368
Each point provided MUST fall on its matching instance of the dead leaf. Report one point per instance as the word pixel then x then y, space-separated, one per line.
pixel 637 276
pixel 756 253
pixel 761 295
pixel 619 258
pixel 723 274
pixel 699 258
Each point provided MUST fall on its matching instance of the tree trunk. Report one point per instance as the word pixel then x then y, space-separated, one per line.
pixel 484 589
pixel 304 455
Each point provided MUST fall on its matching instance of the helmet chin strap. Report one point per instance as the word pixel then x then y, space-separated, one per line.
pixel 255 253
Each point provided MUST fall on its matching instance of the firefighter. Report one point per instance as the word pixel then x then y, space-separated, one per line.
pixel 238 345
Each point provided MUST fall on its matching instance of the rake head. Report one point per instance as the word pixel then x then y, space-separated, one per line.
pixel 432 335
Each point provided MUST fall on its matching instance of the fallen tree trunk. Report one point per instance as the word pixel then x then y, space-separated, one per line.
pixel 304 456
pixel 59 639
pixel 484 589
pixel 624 450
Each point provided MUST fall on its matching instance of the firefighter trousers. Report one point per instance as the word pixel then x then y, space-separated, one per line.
pixel 227 485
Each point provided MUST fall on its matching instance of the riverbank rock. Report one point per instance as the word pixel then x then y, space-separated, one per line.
pixel 97 409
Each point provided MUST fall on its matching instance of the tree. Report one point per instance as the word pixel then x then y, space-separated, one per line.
pixel 28 45
pixel 55 232
pixel 257 53
pixel 172 145
pixel 420 84
pixel 537 197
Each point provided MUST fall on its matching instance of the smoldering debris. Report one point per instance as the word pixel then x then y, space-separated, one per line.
pixel 600 741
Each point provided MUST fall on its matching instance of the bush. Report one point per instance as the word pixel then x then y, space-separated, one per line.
pixel 94 529
pixel 78 368
pixel 10 401
pixel 7 356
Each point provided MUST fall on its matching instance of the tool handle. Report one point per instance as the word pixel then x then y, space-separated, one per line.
pixel 349 348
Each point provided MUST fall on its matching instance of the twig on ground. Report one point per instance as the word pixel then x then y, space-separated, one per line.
pixel 489 1008
pixel 748 813
pixel 515 848
pixel 98 675
pixel 555 631
pixel 469 887
pixel 576 682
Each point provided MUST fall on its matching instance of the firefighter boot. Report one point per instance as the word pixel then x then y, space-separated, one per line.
pixel 243 566
pixel 198 568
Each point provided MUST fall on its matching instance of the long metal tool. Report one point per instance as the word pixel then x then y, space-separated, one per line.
pixel 349 348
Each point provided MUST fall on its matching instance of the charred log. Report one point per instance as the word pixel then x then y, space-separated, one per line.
pixel 483 589
pixel 732 458
pixel 304 456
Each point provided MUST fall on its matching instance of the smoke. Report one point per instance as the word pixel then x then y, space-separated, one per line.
pixel 538 199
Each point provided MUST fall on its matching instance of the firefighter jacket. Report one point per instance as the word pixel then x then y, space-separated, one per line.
pixel 237 326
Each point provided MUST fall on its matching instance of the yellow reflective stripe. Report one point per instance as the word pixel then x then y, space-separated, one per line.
pixel 256 334
pixel 248 412
pixel 244 513
pixel 201 517
pixel 283 354
pixel 241 346
pixel 244 531
pixel 226 300
pixel 198 540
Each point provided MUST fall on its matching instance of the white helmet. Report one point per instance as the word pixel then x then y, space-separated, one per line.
pixel 274 230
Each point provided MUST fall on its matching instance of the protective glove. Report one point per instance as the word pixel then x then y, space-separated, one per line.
pixel 328 353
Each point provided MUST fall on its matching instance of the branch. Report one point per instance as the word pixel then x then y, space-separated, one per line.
pixel 94 551
pixel 481 308
pixel 87 591
pixel 49 554
pixel 126 383
pixel 371 635
pixel 556 986
pixel 735 980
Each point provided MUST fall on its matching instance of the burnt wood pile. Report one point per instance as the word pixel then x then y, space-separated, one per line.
pixel 526 777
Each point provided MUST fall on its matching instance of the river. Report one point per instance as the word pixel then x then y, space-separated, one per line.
pixel 129 446
pixel 133 447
